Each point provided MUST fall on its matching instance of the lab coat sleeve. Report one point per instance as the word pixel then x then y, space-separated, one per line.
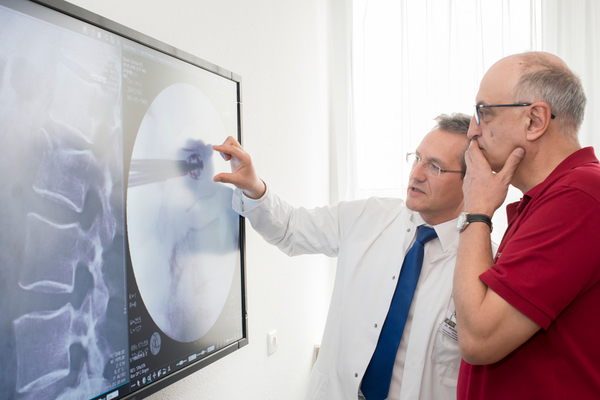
pixel 298 230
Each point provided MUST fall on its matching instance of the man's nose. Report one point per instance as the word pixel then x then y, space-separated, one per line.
pixel 474 129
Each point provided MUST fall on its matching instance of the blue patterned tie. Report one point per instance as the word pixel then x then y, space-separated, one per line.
pixel 376 382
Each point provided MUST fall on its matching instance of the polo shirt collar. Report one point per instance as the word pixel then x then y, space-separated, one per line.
pixel 582 156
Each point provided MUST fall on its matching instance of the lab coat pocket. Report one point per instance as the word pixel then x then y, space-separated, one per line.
pixel 446 358
pixel 317 388
pixel 445 351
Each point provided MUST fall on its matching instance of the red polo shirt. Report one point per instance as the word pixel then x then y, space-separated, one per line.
pixel 548 267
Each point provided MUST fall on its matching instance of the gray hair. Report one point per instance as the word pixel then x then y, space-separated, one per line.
pixel 457 123
pixel 554 84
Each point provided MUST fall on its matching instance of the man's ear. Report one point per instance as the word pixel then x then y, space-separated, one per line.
pixel 540 116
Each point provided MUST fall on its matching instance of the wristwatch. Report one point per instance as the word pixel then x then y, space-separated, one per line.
pixel 464 219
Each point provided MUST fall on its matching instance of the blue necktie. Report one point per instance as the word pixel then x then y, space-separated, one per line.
pixel 376 382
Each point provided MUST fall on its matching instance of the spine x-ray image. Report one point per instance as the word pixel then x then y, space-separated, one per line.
pixel 63 323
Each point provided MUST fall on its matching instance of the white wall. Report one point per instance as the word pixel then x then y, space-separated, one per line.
pixel 279 48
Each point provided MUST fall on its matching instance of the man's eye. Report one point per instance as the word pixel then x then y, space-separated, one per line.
pixel 434 167
pixel 484 113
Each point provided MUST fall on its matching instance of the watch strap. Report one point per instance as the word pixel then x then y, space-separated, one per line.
pixel 480 218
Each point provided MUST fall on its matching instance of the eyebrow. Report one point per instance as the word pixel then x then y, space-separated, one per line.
pixel 434 160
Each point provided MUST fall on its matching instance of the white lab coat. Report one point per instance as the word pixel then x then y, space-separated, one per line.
pixel 370 238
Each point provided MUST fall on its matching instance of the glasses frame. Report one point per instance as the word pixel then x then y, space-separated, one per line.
pixel 478 106
pixel 426 164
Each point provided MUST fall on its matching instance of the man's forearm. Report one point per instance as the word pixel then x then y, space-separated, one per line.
pixel 489 328
pixel 474 257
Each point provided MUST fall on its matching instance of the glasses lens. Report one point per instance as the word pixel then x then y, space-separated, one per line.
pixel 477 114
pixel 433 170
pixel 411 159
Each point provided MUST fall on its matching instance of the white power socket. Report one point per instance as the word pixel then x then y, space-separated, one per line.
pixel 271 342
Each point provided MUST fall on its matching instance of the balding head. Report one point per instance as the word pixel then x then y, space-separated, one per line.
pixel 545 77
pixel 517 97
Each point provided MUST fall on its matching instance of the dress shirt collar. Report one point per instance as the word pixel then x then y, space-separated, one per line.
pixel 446 231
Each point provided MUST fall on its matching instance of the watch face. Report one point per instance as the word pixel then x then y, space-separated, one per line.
pixel 461 222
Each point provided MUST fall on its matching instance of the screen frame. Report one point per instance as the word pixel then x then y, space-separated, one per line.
pixel 99 21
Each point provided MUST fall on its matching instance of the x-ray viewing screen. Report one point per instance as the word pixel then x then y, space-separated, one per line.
pixel 121 261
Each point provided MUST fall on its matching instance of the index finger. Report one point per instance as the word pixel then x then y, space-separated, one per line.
pixel 230 141
pixel 228 150
pixel 475 158
pixel 474 152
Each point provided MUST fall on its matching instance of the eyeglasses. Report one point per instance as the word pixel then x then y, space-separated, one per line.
pixel 478 106
pixel 433 170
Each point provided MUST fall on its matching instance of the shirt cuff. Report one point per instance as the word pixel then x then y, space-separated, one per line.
pixel 243 203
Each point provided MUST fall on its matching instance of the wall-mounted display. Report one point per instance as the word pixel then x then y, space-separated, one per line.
pixel 121 261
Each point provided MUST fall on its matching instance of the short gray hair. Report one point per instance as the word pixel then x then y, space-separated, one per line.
pixel 555 84
pixel 457 123
pixel 454 123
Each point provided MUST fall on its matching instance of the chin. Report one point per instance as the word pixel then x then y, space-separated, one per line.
pixel 496 167
pixel 411 206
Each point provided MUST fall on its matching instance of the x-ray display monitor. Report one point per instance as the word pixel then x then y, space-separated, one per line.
pixel 121 260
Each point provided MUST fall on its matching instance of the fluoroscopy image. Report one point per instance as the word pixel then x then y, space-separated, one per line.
pixel 182 232
pixel 62 241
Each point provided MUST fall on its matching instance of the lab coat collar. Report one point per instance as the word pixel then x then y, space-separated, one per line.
pixel 446 231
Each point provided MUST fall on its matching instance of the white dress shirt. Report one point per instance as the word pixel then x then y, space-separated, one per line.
pixel 434 249
pixel 370 238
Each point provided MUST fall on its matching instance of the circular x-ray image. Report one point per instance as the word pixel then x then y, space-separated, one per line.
pixel 183 234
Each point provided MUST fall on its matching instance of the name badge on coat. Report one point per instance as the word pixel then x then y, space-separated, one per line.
pixel 449 327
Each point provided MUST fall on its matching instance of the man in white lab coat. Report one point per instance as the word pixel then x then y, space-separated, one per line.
pixel 371 238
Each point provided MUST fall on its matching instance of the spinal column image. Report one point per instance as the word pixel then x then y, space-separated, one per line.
pixel 183 234
pixel 62 280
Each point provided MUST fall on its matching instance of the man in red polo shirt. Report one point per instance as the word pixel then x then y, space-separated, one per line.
pixel 529 320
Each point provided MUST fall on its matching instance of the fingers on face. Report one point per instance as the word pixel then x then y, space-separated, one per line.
pixel 512 164
pixel 475 152
pixel 469 153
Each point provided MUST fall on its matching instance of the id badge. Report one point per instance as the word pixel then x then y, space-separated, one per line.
pixel 449 327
